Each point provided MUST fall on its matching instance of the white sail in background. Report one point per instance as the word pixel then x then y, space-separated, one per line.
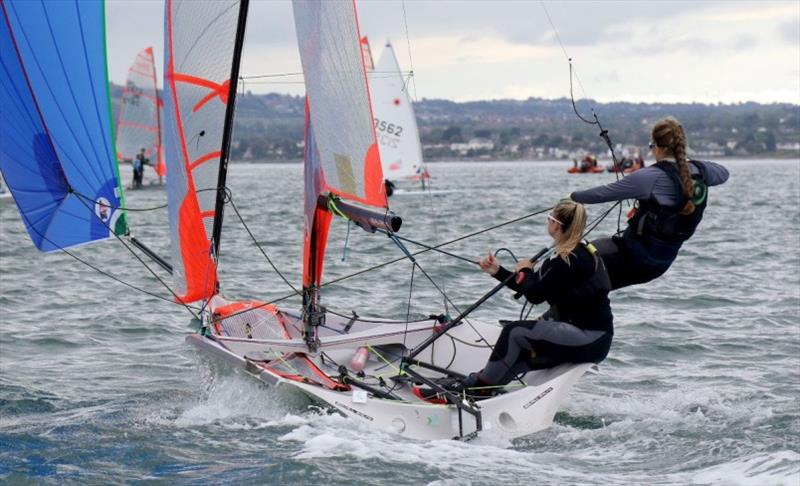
pixel 395 123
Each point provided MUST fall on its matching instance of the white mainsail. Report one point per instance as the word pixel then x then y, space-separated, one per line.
pixel 199 56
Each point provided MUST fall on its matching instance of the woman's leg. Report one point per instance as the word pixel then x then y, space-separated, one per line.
pixel 628 262
pixel 526 345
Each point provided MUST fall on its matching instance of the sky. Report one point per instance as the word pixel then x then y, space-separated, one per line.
pixel 639 51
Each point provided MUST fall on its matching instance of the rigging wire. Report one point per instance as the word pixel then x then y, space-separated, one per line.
pixel 410 79
pixel 103 272
pixel 390 262
pixel 446 243
pixel 603 132
pixel 145 265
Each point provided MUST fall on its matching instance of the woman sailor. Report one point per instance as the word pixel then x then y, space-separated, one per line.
pixel 578 326
pixel 671 196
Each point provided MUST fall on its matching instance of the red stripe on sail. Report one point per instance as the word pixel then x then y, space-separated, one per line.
pixel 205 158
pixel 131 70
pixel 374 188
pixel 217 90
pixel 161 167
pixel 138 125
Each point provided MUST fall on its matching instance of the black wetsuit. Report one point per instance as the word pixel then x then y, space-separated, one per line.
pixel 642 254
pixel 577 328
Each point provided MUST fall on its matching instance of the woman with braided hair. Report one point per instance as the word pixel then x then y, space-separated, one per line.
pixel 671 196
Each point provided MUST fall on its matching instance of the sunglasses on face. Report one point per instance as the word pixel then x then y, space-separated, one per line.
pixel 652 145
pixel 551 218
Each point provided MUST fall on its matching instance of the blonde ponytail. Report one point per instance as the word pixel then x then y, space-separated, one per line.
pixel 669 134
pixel 573 217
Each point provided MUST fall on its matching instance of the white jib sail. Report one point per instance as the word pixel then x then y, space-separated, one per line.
pixel 395 123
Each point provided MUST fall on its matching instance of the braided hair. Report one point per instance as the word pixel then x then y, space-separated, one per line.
pixel 668 134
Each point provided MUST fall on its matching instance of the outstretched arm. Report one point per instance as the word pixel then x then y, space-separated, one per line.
pixel 638 185
pixel 716 174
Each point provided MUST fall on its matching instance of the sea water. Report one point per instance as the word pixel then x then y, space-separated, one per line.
pixel 702 384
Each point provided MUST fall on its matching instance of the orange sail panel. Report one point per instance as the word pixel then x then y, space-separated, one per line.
pixel 341 153
pixel 198 59
pixel 139 119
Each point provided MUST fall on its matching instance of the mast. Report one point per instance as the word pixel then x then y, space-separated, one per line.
pixel 227 131
pixel 160 152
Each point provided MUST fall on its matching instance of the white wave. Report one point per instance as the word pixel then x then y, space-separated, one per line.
pixel 774 469
pixel 236 402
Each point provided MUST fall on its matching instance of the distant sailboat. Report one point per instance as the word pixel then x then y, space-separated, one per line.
pixel 139 119
pixel 363 368
pixel 395 123
pixel 57 154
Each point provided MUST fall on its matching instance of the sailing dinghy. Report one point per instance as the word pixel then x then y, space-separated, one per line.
pixel 139 118
pixel 363 368
pixel 394 120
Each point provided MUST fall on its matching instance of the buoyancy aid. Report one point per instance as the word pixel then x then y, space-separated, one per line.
pixel 666 223
pixel 598 283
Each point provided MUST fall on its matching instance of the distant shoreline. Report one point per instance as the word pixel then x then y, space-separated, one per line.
pixel 534 161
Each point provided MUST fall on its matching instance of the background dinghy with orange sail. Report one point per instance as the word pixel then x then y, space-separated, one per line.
pixel 139 119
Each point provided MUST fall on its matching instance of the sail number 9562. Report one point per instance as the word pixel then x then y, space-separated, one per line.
pixel 390 128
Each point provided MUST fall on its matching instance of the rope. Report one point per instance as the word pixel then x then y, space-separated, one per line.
pixel 107 274
pixel 153 273
pixel 432 248
pixel 603 132
pixel 275 75
pixel 101 204
pixel 408 307
pixel 260 248
pixel 390 262
pixel 446 243
pixel 410 57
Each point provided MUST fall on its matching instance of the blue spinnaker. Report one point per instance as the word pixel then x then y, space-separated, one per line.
pixel 56 141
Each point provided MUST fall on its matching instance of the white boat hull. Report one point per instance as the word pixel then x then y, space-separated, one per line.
pixel 521 411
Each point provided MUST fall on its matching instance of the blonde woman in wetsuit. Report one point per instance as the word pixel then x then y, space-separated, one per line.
pixel 578 326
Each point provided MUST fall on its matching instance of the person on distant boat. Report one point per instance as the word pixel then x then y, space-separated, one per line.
pixel 138 168
pixel 671 196
pixel 586 164
pixel 578 326
pixel 389 187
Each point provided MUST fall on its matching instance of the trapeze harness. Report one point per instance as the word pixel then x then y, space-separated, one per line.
pixel 577 328
pixel 655 232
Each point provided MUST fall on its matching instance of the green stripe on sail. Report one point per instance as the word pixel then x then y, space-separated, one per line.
pixel 121 226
